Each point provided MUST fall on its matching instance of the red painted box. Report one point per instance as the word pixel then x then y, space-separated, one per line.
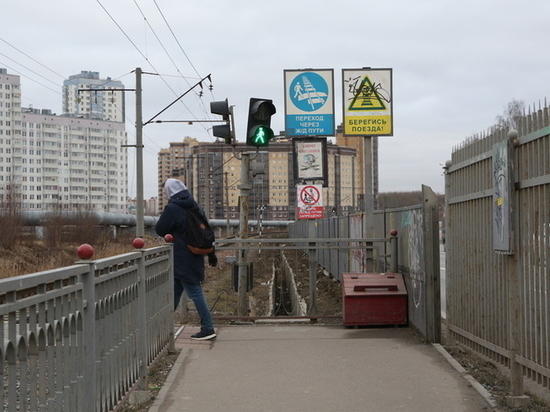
pixel 374 299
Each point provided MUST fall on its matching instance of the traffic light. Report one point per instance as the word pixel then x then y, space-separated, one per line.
pixel 225 131
pixel 258 131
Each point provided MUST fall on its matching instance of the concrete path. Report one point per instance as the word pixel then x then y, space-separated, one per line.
pixel 315 368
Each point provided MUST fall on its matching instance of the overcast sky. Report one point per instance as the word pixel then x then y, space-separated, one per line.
pixel 455 65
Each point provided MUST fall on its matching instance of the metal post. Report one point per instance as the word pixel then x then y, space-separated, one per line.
pixel 450 292
pixel 139 157
pixel 518 397
pixel 228 231
pixel 142 349
pixel 89 339
pixel 337 186
pixel 394 250
pixel 369 173
pixel 142 393
pixel 515 337
pixel 353 195
pixel 368 225
pixel 243 233
pixel 431 265
pixel 312 270
pixel 206 203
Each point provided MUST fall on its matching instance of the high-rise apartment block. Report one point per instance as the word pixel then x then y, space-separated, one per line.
pixel 176 157
pixel 73 162
pixel 86 95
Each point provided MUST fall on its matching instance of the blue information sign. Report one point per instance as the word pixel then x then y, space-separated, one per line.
pixel 309 103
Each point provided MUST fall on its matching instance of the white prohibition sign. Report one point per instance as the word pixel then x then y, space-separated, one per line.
pixel 310 195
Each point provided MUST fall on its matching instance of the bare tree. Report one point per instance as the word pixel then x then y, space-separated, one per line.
pixel 512 113
pixel 11 219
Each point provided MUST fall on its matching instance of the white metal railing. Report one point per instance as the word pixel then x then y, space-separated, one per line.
pixel 79 337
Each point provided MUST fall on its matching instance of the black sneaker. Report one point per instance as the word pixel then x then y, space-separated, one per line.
pixel 204 335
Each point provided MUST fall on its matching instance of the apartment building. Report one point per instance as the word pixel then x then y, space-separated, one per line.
pixel 87 95
pixel 50 162
pixel 176 157
pixel 10 116
pixel 358 143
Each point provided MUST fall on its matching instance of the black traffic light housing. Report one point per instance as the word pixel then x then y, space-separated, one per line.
pixel 225 131
pixel 258 130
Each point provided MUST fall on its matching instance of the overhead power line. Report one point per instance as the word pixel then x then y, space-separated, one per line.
pixel 184 53
pixel 144 56
pixel 30 78
pixel 122 30
pixel 34 60
pixel 176 39
pixel 160 42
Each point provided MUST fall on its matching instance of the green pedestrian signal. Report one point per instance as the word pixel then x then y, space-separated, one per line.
pixel 261 135
pixel 258 131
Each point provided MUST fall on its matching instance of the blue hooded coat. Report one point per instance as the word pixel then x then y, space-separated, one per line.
pixel 187 266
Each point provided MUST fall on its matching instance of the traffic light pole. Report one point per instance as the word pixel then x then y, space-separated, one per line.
pixel 258 134
pixel 243 233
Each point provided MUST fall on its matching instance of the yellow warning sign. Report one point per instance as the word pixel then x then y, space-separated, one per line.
pixel 367 98
pixel 367 102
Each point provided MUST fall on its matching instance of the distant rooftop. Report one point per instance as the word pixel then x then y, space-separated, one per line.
pixel 85 74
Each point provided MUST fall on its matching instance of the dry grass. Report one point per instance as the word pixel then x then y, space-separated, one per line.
pixel 492 379
pixel 156 376
pixel 32 256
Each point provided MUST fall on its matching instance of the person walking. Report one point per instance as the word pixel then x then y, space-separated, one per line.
pixel 188 267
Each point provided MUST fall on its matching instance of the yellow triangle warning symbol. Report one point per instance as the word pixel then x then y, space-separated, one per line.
pixel 367 98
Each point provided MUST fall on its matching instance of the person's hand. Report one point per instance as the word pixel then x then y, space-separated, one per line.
pixel 212 259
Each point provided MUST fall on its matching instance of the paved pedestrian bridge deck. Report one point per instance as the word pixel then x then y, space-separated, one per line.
pixel 314 368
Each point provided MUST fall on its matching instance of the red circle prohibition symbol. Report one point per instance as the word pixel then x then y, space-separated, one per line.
pixel 310 195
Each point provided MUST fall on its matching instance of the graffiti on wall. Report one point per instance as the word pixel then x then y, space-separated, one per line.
pixel 501 197
pixel 412 222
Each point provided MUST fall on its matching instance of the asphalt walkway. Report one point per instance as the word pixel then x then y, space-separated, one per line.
pixel 316 368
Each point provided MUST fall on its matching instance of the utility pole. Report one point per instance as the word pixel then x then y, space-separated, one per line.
pixel 139 157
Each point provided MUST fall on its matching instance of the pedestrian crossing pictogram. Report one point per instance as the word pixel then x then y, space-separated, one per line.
pixel 309 92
